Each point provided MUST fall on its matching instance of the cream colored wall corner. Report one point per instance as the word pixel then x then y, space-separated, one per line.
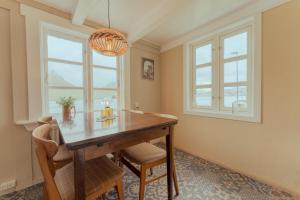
pixel 145 93
pixel 268 151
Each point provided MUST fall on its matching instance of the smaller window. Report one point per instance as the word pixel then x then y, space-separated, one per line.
pixel 222 74
pixel 203 87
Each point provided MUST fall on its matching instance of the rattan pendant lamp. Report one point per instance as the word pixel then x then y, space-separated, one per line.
pixel 108 41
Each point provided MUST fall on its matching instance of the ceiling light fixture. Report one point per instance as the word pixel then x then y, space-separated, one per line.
pixel 108 41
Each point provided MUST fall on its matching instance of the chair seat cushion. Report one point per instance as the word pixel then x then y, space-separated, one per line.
pixel 62 154
pixel 99 173
pixel 143 153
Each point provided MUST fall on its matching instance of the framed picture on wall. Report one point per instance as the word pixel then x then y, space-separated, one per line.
pixel 148 69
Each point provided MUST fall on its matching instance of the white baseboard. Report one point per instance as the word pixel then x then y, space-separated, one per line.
pixel 38 181
pixel 8 187
pixel 22 187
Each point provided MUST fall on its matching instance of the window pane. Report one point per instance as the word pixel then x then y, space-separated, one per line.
pixel 60 48
pixel 55 94
pixel 204 54
pixel 242 97
pixel 230 96
pixel 203 76
pixel 106 61
pixel 67 75
pixel 235 71
pixel 235 45
pixel 104 78
pixel 203 97
pixel 101 96
pixel 241 104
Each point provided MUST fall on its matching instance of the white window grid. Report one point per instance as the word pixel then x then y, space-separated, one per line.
pixel 87 64
pixel 116 89
pixel 247 83
pixel 217 109
pixel 203 65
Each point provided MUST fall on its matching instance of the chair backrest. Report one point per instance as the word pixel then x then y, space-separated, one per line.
pixel 44 120
pixel 45 150
pixel 55 133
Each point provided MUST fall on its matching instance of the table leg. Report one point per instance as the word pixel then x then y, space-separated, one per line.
pixel 116 157
pixel 79 181
pixel 169 148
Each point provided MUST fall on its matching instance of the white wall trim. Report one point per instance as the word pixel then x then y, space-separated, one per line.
pixel 244 12
pixel 146 45
pixel 29 125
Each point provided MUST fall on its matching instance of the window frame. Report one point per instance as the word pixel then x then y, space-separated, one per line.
pixel 251 24
pixel 248 56
pixel 87 64
pixel 118 74
pixel 194 74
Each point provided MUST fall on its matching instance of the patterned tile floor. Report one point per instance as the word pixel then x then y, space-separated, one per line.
pixel 198 179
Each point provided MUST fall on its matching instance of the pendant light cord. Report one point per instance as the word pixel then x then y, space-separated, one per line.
pixel 108 14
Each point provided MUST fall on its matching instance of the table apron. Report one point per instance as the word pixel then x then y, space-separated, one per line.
pixel 125 141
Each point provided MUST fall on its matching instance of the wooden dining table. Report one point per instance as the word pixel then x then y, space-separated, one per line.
pixel 88 136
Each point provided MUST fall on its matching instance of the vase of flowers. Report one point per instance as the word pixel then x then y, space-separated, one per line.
pixel 67 104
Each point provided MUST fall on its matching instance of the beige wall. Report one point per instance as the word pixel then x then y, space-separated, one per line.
pixel 268 151
pixel 15 142
pixel 144 92
pixel 6 141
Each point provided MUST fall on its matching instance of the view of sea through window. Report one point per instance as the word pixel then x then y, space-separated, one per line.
pixel 67 75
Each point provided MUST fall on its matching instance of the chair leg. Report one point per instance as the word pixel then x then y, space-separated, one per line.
pixel 121 164
pixel 175 180
pixel 142 182
pixel 116 158
pixel 45 193
pixel 151 171
pixel 120 189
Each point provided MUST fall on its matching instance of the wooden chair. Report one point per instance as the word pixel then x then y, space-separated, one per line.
pixel 101 174
pixel 63 155
pixel 147 156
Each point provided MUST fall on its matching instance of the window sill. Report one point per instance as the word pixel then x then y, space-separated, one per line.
pixel 29 125
pixel 224 115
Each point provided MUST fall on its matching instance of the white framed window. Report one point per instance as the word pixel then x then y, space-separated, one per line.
pixel 222 73
pixel 105 81
pixel 71 68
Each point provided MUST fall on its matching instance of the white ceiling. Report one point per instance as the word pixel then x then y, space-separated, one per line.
pixel 159 21
pixel 193 15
